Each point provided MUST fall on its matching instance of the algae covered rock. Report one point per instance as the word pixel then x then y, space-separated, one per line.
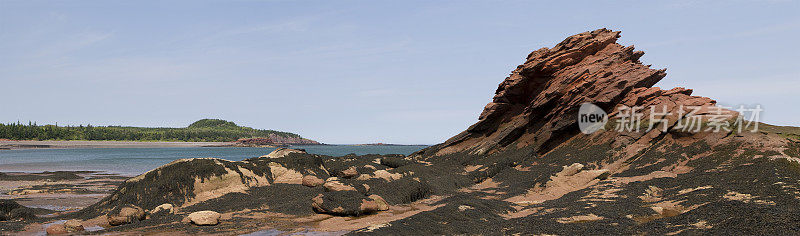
pixel 333 184
pixel 56 229
pixel 312 181
pixel 73 226
pixel 348 203
pixel 125 214
pixel 11 210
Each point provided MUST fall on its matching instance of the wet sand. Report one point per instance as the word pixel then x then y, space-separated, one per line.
pixel 58 191
pixel 31 144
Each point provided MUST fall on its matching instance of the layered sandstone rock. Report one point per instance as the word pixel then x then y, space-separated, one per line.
pixel 537 104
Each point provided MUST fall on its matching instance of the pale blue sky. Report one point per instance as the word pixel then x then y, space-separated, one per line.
pixel 361 71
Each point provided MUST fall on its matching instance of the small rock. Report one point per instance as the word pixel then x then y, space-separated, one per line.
pixel 571 169
pixel 312 181
pixel 204 218
pixel 382 204
pixel 73 226
pixel 125 215
pixel 55 229
pixel 166 207
pixel 465 207
pixel 350 172
pixel 333 184
pixel 383 174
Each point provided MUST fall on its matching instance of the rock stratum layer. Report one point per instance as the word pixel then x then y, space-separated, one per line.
pixel 537 105
pixel 523 168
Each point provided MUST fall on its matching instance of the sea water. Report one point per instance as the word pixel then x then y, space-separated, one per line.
pixel 134 161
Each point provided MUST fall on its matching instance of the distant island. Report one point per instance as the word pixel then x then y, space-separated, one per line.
pixel 205 130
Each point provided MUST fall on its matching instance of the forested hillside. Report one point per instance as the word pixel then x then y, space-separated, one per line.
pixel 205 130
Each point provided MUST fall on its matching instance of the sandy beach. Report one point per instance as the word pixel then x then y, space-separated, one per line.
pixel 29 144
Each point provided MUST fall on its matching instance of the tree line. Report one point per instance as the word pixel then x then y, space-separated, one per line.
pixel 32 131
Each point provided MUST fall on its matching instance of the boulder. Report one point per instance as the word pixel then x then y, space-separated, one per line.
pixel 73 226
pixel 163 208
pixel 349 172
pixel 125 214
pixel 347 203
pixel 204 218
pixel 56 229
pixel 333 184
pixel 383 174
pixel 312 181
pixel 382 205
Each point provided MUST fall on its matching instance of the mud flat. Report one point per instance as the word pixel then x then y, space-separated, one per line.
pixel 59 190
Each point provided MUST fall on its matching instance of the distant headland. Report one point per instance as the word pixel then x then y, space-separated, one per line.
pixel 205 130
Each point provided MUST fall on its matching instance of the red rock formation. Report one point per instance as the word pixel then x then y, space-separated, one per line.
pixel 537 104
pixel 255 141
pixel 274 140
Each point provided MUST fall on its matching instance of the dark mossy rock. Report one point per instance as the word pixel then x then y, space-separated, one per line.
pixel 125 214
pixel 11 210
pixel 395 161
pixel 404 190
pixel 347 203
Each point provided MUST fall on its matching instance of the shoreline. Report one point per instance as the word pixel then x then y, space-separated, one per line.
pixel 33 144
pixel 75 144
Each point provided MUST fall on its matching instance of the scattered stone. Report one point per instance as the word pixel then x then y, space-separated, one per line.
pixel 56 229
pixel 312 181
pixel 125 215
pixel 383 174
pixel 382 204
pixel 163 208
pixel 204 218
pixel 349 172
pixel 73 226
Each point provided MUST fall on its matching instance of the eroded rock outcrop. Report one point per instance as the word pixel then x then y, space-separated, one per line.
pixel 536 106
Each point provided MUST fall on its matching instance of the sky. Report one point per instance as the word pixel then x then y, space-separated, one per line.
pixel 346 72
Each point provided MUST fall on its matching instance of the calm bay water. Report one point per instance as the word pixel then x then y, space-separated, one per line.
pixel 134 161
